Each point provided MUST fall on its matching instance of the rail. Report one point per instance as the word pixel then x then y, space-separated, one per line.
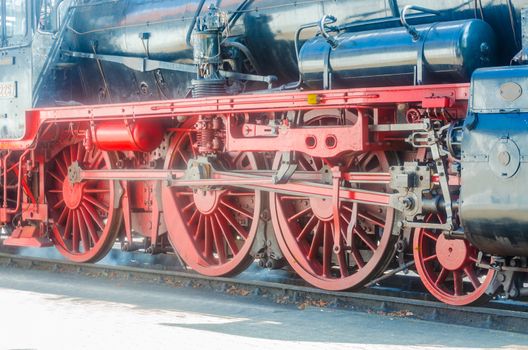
pixel 489 317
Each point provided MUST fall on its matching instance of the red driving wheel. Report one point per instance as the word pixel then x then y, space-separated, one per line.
pixel 85 220
pixel 213 230
pixel 447 267
pixel 304 226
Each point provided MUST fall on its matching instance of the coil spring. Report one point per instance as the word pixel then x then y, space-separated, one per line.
pixel 205 88
pixel 205 139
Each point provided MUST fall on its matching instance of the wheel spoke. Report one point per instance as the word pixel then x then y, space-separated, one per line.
pixel 307 228
pixel 430 235
pixel 188 207
pixel 68 227
pixel 236 209
pixel 73 155
pixel 89 225
pixel 457 282
pixel 344 218
pixel 96 202
pixel 430 258
pixel 63 216
pixel 364 237
pixel 62 171
pixel 356 255
pixel 84 235
pixel 441 277
pixel 233 223
pixel 219 243
pixel 183 157
pixel 208 245
pixel 59 204
pixel 191 145
pixel 372 219
pixel 96 163
pixel 472 277
pixel 193 217
pixel 93 213
pixel 198 232
pixel 316 241
pixel 227 235
pixel 473 259
pixel 299 214
pixel 75 236
pixel 96 190
pixel 66 159
pixel 81 152
pixel 58 179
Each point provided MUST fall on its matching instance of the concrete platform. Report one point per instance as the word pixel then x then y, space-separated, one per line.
pixel 46 310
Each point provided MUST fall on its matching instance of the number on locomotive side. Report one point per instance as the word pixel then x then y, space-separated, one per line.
pixel 8 89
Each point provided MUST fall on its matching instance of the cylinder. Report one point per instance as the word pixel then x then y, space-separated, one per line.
pixel 451 51
pixel 139 136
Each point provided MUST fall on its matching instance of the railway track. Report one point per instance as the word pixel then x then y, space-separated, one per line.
pixel 504 316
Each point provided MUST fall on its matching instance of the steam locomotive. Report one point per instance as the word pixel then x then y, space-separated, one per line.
pixel 349 139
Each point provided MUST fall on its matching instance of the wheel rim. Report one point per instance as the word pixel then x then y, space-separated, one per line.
pixel 448 267
pixel 86 222
pixel 212 231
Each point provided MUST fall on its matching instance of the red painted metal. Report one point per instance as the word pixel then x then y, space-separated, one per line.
pixel 335 230
pixel 28 236
pixel 294 186
pixel 283 101
pixel 448 268
pixel 139 136
pixel 333 244
pixel 85 218
pixel 325 142
pixel 212 231
pixel 306 233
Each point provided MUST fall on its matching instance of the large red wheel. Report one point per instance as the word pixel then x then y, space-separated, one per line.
pixel 305 231
pixel 447 267
pixel 305 226
pixel 86 221
pixel 213 230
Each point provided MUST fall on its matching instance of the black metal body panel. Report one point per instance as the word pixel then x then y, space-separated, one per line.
pixel 267 27
pixel 494 195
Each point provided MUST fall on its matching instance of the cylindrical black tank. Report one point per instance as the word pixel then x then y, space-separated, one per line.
pixel 268 27
pixel 451 52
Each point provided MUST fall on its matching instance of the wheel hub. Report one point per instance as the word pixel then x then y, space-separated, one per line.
pixel 207 201
pixel 453 254
pixel 72 193
pixel 322 208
